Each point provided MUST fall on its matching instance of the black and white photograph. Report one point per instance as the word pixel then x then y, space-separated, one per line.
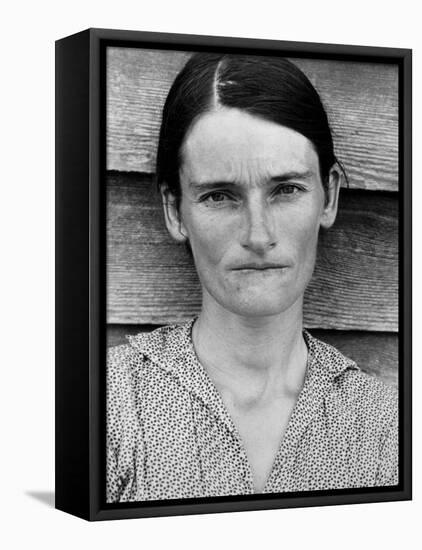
pixel 210 267
pixel 253 268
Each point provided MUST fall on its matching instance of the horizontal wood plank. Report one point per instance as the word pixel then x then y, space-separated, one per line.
pixel 361 100
pixel 375 353
pixel 150 279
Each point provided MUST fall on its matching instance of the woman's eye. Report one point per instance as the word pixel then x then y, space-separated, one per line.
pixel 287 189
pixel 215 197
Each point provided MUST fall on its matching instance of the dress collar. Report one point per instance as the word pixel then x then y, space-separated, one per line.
pixel 168 345
pixel 171 349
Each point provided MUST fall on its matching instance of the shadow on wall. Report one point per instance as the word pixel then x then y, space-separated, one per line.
pixel 46 497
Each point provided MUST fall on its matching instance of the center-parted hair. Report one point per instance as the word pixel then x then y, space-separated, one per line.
pixel 271 88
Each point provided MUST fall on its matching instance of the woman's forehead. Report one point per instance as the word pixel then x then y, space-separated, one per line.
pixel 230 144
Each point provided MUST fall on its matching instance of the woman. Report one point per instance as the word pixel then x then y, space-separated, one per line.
pixel 241 399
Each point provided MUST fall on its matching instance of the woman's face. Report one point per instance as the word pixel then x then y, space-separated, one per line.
pixel 252 203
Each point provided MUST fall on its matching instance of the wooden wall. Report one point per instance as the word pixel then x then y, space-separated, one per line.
pixel 352 301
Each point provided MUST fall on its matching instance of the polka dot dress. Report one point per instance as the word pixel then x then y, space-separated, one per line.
pixel 169 434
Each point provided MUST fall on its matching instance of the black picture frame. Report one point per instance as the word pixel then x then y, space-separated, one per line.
pixel 80 273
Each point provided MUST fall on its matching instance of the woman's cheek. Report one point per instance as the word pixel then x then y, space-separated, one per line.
pixel 210 229
pixel 305 239
pixel 206 242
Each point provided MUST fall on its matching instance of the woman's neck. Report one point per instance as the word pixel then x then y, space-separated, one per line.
pixel 255 357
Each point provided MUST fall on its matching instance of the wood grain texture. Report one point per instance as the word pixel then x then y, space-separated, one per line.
pixel 375 353
pixel 361 100
pixel 152 280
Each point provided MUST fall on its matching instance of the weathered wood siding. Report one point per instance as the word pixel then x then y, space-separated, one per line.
pixel 352 301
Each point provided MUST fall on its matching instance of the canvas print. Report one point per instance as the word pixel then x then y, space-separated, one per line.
pixel 252 236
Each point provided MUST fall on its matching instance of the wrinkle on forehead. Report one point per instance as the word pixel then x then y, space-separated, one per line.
pixel 249 172
pixel 231 145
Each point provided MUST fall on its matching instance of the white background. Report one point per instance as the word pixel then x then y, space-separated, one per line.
pixel 27 36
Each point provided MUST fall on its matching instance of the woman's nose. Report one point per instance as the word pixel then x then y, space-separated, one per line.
pixel 258 230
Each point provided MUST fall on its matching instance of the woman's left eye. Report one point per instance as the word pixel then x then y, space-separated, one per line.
pixel 287 189
pixel 217 197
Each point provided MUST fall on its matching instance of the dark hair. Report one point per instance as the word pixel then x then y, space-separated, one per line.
pixel 271 88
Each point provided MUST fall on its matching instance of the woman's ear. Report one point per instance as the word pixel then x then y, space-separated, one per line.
pixel 329 213
pixel 172 216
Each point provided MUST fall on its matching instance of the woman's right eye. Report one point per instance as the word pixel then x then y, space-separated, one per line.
pixel 215 197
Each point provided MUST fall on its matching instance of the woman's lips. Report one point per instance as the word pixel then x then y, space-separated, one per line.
pixel 261 271
pixel 258 267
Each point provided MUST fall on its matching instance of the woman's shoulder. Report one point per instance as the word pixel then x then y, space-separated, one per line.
pixel 361 409
pixel 369 399
pixel 354 388
pixel 359 384
pixel 159 348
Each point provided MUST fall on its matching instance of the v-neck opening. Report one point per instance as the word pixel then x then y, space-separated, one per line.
pixel 294 419
pixel 298 421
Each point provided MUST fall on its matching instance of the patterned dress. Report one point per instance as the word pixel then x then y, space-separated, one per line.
pixel 170 436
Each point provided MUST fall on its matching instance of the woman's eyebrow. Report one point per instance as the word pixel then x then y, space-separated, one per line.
pixel 211 184
pixel 293 175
